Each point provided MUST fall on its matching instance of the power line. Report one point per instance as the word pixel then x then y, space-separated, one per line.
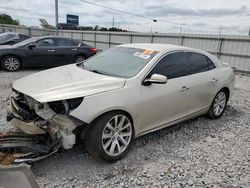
pixel 121 11
pixel 150 18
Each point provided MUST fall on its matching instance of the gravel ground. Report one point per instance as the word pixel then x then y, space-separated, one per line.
pixel 196 153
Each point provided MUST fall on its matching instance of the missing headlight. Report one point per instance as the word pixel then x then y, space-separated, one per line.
pixel 65 106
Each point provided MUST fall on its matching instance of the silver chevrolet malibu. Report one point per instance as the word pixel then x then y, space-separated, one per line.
pixel 120 94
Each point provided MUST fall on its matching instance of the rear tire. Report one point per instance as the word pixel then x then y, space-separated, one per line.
pixel 79 58
pixel 11 63
pixel 218 105
pixel 110 136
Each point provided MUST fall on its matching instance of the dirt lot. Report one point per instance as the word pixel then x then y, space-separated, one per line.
pixel 196 153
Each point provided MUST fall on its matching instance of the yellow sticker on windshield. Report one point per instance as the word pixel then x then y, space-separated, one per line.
pixel 148 51
pixel 141 55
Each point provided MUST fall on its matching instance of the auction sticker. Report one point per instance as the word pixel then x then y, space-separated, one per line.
pixel 141 55
pixel 148 51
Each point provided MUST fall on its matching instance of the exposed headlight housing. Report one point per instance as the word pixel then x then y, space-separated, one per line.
pixel 65 106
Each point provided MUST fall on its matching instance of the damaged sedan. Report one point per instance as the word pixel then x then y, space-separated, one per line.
pixel 125 92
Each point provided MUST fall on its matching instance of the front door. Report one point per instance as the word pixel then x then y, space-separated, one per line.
pixel 43 54
pixel 165 103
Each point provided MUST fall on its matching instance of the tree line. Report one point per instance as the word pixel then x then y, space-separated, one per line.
pixel 98 28
pixel 7 19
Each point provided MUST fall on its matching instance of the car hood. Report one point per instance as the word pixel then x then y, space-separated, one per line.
pixel 65 82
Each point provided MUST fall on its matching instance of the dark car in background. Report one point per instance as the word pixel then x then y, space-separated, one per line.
pixel 47 51
pixel 10 38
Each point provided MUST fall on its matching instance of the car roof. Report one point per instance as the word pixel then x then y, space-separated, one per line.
pixel 13 33
pixel 52 36
pixel 7 33
pixel 159 47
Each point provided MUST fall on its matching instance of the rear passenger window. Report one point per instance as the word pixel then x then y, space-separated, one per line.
pixel 197 63
pixel 210 64
pixel 172 66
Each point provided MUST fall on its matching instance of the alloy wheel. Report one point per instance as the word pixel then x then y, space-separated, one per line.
pixel 12 64
pixel 80 59
pixel 219 103
pixel 116 135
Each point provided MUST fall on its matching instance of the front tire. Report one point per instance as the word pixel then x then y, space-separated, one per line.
pixel 110 136
pixel 218 105
pixel 11 63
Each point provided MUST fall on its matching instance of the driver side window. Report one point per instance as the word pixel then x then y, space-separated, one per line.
pixel 45 43
pixel 171 66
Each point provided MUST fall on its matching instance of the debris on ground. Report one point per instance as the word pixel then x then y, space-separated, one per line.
pixel 6 158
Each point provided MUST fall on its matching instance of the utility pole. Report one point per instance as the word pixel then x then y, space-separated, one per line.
pixel 249 33
pixel 56 15
pixel 113 23
pixel 181 29
pixel 220 30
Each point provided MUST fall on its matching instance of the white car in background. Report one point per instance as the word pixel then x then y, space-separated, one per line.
pixel 120 94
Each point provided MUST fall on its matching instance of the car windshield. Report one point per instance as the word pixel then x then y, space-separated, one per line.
pixel 25 42
pixel 4 37
pixel 120 61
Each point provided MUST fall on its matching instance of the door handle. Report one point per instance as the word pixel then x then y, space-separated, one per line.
pixel 51 50
pixel 184 88
pixel 214 80
pixel 74 49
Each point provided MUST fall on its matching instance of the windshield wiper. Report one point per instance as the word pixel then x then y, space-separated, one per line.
pixel 95 71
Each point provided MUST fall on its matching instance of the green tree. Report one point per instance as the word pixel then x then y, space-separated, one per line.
pixel 115 29
pixel 86 28
pixel 7 19
pixel 103 29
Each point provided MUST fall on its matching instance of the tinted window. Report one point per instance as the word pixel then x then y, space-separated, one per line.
pixel 23 37
pixel 210 64
pixel 45 42
pixel 172 66
pixel 198 63
pixel 66 42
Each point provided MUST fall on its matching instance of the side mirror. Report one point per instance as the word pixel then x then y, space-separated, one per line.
pixel 156 79
pixel 31 46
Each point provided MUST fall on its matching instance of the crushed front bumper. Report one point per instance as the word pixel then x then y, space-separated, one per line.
pixel 15 114
pixel 38 118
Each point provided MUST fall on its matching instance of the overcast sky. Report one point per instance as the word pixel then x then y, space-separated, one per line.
pixel 195 16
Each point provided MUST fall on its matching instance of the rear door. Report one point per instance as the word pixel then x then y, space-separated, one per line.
pixel 164 103
pixel 66 50
pixel 202 81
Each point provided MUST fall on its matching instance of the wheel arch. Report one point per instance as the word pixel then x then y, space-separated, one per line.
pixel 114 110
pixel 81 54
pixel 227 90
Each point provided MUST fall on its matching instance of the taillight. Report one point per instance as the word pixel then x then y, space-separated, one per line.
pixel 94 50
